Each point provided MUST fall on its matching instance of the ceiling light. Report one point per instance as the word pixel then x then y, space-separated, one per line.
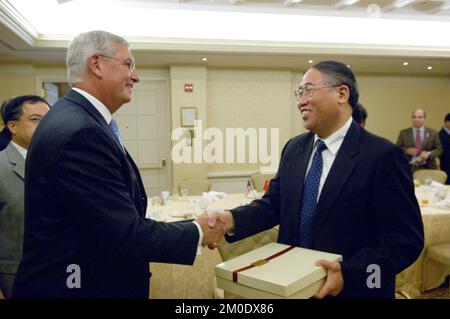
pixel 289 3
pixel 430 67
pixel 310 61
pixel 150 24
pixel 402 3
pixel 350 2
pixel 345 3
pixel 405 63
pixel 204 59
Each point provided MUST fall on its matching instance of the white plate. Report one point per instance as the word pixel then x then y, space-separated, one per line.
pixel 179 214
pixel 158 216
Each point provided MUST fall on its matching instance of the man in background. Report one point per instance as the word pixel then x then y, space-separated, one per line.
pixel 21 115
pixel 86 235
pixel 420 143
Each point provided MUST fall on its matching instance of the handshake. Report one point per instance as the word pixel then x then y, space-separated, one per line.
pixel 214 226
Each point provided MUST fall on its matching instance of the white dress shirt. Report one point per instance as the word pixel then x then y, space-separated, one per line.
pixel 333 143
pixel 22 151
pixel 103 110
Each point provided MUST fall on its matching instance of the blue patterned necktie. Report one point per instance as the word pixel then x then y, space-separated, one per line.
pixel 115 129
pixel 309 198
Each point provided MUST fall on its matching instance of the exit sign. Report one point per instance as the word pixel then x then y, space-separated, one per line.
pixel 189 88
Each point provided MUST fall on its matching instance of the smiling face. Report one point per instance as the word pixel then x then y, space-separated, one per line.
pixel 117 78
pixel 321 110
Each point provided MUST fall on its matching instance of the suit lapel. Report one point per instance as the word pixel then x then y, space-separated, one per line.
pixel 411 139
pixel 340 171
pixel 298 170
pixel 79 99
pixel 137 191
pixel 426 138
pixel 16 159
pixel 139 195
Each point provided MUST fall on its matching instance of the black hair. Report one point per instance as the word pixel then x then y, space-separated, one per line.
pixel 11 110
pixel 447 117
pixel 342 74
pixel 360 114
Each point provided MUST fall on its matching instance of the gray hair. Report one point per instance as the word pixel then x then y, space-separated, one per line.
pixel 86 44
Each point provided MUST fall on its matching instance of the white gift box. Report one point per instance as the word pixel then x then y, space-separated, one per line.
pixel 274 271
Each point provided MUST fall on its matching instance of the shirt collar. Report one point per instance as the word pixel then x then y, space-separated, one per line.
pixel 103 110
pixel 334 141
pixel 420 129
pixel 447 130
pixel 22 151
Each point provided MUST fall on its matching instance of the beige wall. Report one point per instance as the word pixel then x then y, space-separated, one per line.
pixel 262 99
pixel 390 101
pixel 16 80
pixel 251 99
pixel 179 76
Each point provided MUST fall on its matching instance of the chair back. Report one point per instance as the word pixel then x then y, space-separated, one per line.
pixel 258 180
pixel 231 250
pixel 423 175
pixel 195 186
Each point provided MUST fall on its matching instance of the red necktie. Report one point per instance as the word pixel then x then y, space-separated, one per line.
pixel 418 142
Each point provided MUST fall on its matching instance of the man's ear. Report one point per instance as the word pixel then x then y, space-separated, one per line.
pixel 344 94
pixel 95 65
pixel 12 127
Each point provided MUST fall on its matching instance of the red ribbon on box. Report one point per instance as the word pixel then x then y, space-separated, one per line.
pixel 259 262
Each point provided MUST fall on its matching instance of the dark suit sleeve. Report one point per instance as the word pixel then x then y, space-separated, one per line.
pixel 436 150
pixel 260 214
pixel 91 179
pixel 397 223
pixel 401 141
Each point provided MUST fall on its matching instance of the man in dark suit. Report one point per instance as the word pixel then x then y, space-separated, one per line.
pixel 21 115
pixel 420 143
pixel 86 235
pixel 444 136
pixel 339 189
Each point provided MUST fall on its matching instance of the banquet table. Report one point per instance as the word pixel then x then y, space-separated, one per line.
pixel 198 281
pixel 421 276
pixel 188 282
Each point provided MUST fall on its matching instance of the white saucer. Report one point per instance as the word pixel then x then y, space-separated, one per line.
pixel 159 217
pixel 179 214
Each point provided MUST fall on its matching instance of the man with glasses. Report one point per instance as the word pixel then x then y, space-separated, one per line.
pixel 86 235
pixel 339 189
pixel 20 115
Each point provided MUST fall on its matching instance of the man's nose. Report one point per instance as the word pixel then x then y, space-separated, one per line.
pixel 135 76
pixel 302 101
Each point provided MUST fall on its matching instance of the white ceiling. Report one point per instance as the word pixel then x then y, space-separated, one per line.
pixel 23 36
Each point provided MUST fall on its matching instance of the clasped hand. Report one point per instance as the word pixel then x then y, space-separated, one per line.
pixel 214 227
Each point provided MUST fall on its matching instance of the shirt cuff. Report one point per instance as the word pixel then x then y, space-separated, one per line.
pixel 200 238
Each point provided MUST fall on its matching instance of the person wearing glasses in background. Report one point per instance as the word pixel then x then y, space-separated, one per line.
pixel 20 115
pixel 339 189
pixel 86 235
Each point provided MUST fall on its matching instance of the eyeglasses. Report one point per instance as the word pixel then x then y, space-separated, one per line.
pixel 128 62
pixel 307 89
